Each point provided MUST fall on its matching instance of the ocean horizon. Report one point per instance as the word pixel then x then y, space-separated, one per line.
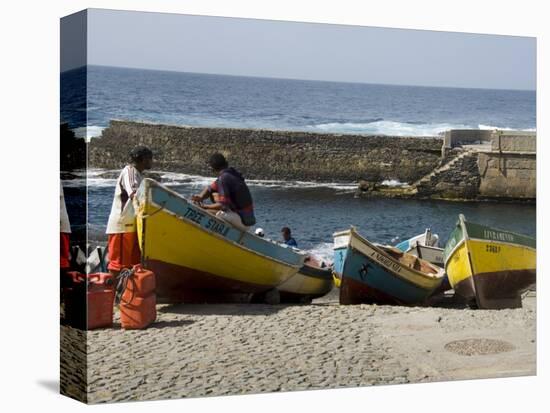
pixel 213 100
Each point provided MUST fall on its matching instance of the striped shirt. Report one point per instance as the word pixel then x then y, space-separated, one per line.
pixel 123 217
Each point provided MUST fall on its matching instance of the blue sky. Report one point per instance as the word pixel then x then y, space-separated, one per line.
pixel 309 51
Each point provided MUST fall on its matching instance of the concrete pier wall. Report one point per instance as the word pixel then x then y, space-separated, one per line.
pixel 508 175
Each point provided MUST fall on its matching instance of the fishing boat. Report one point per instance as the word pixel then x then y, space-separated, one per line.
pixel 490 267
pixel 425 246
pixel 199 258
pixel 313 280
pixel 371 273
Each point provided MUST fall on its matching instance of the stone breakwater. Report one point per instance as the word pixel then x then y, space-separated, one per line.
pixel 461 165
pixel 268 154
pixel 212 350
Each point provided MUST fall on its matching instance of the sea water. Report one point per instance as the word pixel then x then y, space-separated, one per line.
pixel 313 211
pixel 251 102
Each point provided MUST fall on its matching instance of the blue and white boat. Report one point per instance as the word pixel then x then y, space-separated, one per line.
pixel 425 246
pixel 371 273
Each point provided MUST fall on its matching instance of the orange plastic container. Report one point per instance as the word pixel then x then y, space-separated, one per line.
pixel 138 301
pixel 89 300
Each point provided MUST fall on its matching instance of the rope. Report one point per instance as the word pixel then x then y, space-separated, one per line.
pixel 125 275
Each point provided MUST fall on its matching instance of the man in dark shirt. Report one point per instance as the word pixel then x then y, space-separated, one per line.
pixel 233 202
pixel 287 237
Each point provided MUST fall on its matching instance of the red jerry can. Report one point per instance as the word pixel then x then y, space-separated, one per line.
pixel 89 300
pixel 136 292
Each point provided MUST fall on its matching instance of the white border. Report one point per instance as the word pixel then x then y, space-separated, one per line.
pixel 30 100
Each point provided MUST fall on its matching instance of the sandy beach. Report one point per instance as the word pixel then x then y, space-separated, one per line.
pixel 212 350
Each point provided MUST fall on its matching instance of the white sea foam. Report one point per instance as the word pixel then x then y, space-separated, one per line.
pixel 386 127
pixel 173 178
pixel 88 132
pixel 393 182
pixel 324 251
pixel 301 184
pixel 106 178
pixel 490 127
pixel 392 128
pixel 96 172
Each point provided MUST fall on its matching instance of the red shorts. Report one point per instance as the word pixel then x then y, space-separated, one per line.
pixel 64 256
pixel 124 251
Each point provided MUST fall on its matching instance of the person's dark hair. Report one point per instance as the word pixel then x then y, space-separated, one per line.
pixel 217 162
pixel 286 229
pixel 140 152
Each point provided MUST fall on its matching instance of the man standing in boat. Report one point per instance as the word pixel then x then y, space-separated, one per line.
pixel 233 202
pixel 123 243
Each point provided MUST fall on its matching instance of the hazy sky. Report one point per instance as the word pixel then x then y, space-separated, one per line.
pixel 309 51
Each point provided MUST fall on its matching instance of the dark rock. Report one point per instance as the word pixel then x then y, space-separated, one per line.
pixel 72 150
pixel 367 186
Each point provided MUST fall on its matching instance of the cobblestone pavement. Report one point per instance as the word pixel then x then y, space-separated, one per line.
pixel 208 350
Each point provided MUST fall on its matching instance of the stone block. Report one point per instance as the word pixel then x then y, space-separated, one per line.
pixel 493 173
pixel 515 142
pixel 518 163
pixel 527 174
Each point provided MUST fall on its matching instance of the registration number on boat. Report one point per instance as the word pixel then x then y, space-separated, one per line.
pixel 495 249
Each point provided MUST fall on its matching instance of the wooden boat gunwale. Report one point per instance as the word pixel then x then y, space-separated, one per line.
pixel 318 276
pixel 378 249
pixel 146 194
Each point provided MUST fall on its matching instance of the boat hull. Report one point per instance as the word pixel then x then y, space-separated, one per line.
pixel 490 267
pixel 308 283
pixel 369 275
pixel 199 258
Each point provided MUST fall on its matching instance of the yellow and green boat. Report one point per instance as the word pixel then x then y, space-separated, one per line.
pixel 490 267
pixel 199 258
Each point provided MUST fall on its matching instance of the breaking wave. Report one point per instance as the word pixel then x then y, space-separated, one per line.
pixel 393 183
pixel 107 178
pixel 392 128
pixel 489 127
pixel 88 132
pixel 324 251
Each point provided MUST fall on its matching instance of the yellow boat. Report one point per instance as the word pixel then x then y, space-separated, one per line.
pixel 490 267
pixel 199 258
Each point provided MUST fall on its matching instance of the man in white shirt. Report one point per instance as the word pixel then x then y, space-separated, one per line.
pixel 123 242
